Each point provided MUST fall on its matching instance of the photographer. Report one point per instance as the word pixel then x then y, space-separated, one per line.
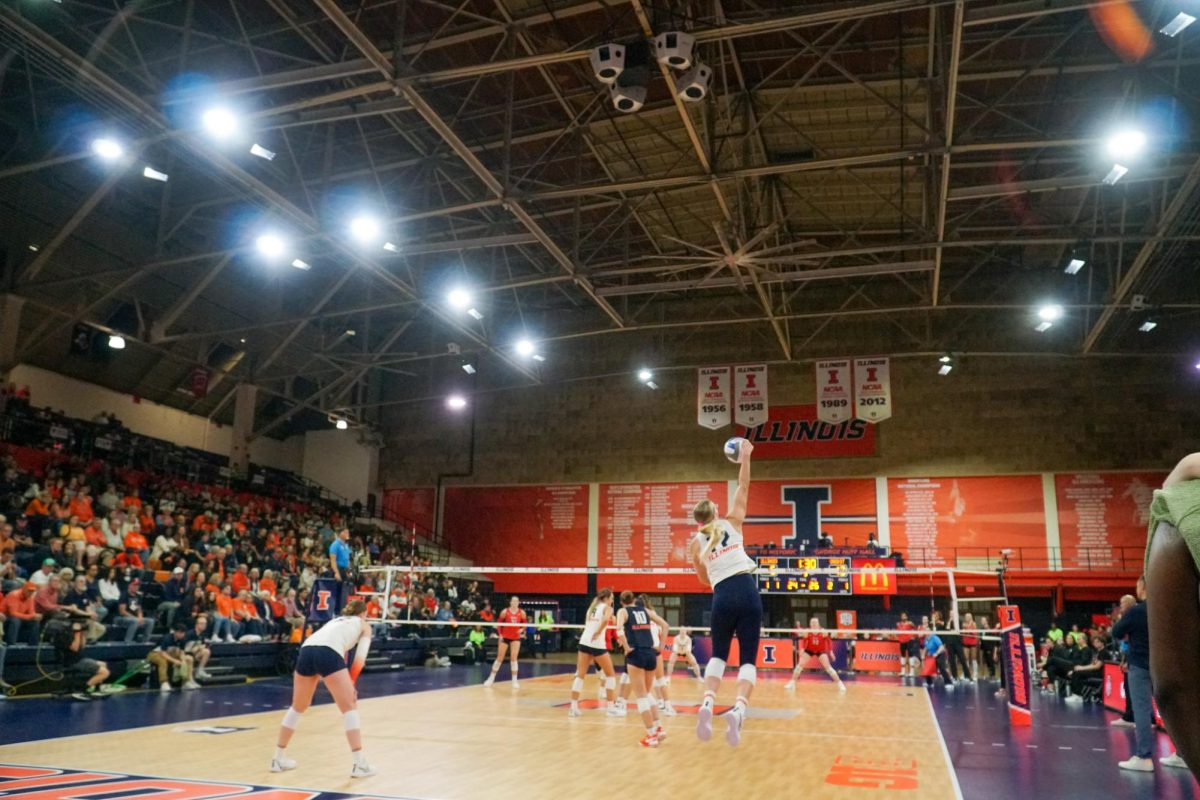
pixel 67 639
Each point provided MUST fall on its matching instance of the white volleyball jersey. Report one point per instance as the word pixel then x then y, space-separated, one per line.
pixel 340 633
pixel 655 634
pixel 728 556
pixel 593 630
pixel 682 645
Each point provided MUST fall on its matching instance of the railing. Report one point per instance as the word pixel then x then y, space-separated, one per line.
pixel 1085 559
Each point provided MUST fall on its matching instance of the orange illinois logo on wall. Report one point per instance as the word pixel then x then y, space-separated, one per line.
pixel 873 576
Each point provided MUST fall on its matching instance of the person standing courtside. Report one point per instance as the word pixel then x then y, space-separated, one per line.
pixel 339 561
pixel 1133 626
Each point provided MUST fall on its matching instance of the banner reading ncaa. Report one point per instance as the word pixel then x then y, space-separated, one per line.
pixel 795 432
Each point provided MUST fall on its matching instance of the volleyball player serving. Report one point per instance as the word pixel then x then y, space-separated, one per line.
pixel 633 631
pixel 511 627
pixel 323 658
pixel 720 559
pixel 592 650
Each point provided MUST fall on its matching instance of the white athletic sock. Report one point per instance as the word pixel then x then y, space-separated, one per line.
pixel 359 758
pixel 739 705
pixel 709 699
pixel 280 752
pixel 574 705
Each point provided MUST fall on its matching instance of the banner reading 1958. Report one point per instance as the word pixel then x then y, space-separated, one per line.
pixel 750 394
pixel 713 397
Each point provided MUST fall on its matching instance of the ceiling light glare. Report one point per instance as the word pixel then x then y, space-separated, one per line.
pixel 456 402
pixel 475 313
pixel 262 152
pixel 391 248
pixel 304 265
pixel 469 369
pixel 1126 144
pixel 1115 174
pixel 946 359
pixel 154 175
pixel 539 357
pixel 1044 326
pixel 1177 25
pixel 270 245
pixel 1074 265
pixel 342 425
pixel 108 149
pixel 365 229
pixel 525 348
pixel 458 298
pixel 1051 312
pixel 220 123
pixel 116 342
pixel 945 369
pixel 645 375
pixel 1148 326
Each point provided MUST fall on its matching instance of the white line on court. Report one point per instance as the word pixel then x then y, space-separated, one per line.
pixel 945 751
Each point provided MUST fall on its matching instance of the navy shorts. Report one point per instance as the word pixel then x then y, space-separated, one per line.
pixel 736 609
pixel 320 660
pixel 592 651
pixel 642 658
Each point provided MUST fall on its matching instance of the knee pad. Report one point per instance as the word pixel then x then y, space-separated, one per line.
pixel 644 704
pixel 577 684
pixel 715 668
pixel 624 678
pixel 350 720
pixel 748 673
pixel 610 682
pixel 291 719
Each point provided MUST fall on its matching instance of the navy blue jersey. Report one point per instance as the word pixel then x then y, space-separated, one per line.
pixel 637 628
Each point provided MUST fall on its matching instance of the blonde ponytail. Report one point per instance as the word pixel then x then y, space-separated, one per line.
pixel 604 595
pixel 705 513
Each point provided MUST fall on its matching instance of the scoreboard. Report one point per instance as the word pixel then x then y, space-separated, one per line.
pixel 816 575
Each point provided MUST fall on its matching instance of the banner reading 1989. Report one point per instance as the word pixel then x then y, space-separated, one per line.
pixel 833 391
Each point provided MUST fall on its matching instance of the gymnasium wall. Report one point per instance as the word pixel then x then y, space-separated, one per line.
pixel 85 400
pixel 339 462
pixel 1053 456
pixel 992 416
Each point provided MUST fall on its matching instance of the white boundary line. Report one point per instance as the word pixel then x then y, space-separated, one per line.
pixel 945 751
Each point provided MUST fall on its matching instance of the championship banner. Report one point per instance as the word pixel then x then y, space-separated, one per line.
pixel 872 389
pixel 198 382
pixel 1015 660
pixel 750 395
pixel 713 397
pixel 847 620
pixel 833 391
pixel 874 575
pixel 876 657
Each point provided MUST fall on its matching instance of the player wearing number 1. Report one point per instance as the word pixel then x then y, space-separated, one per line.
pixel 719 556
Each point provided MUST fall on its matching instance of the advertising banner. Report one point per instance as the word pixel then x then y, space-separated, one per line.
pixel 750 406
pixel 1015 661
pixel 713 397
pixel 874 575
pixel 834 391
pixel 877 657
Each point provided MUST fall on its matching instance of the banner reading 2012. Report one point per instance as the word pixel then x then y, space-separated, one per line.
pixel 750 395
pixel 713 397
pixel 872 389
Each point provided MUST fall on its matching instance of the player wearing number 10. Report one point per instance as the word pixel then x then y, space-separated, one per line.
pixel 720 559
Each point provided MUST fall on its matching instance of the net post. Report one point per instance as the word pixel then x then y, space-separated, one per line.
pixel 387 594
pixel 953 598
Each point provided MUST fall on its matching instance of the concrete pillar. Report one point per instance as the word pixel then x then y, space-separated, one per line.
pixel 244 399
pixel 10 325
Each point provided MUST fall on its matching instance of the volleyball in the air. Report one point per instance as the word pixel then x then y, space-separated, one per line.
pixel 733 449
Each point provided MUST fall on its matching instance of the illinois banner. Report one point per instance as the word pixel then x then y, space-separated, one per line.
pixel 874 575
pixel 1015 660
pixel 876 657
pixel 795 432
pixel 872 389
pixel 713 397
pixel 833 391
pixel 772 653
pixel 750 394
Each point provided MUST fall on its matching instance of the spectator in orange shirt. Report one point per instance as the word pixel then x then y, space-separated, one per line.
pixel 134 540
pixel 22 619
pixel 95 543
pixel 246 614
pixel 240 580
pixel 81 506
pixel 223 617
pixel 131 500
pixel 38 513
pixel 267 584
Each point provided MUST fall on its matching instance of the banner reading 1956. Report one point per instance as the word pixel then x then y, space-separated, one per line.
pixel 713 397
pixel 750 394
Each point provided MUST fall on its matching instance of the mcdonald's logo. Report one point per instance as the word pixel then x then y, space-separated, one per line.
pixel 874 576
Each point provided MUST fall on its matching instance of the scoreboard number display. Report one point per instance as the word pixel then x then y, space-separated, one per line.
pixel 816 575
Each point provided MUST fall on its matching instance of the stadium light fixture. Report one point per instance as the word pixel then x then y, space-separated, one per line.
pixel 302 265
pixel 107 149
pixel 270 245
pixel 154 175
pixel 1115 174
pixel 116 342
pixel 526 348
pixel 456 402
pixel 341 425
pixel 645 375
pixel 262 152
pixel 221 123
pixel 1126 144
pixel 1051 312
pixel 1076 262
pixel 459 298
pixel 1148 325
pixel 366 229
pixel 1177 25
